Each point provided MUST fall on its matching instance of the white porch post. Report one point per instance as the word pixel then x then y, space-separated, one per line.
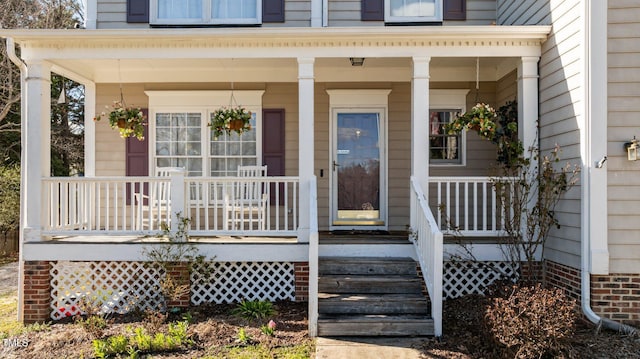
pixel 178 197
pixel 528 102
pixel 305 141
pixel 37 160
pixel 89 130
pixel 420 125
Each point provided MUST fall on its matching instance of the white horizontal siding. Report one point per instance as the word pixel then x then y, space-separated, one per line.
pixel 561 104
pixel 623 177
pixel 112 14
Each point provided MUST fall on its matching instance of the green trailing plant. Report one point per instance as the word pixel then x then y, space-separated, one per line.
pixel 243 337
pixel 500 127
pixel 253 309
pixel 129 121
pixel 230 119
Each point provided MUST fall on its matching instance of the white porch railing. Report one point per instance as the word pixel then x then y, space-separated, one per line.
pixel 468 205
pixel 268 205
pixel 429 247
pixel 139 205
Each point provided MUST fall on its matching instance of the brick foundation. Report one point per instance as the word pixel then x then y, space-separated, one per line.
pixel 179 273
pixel 614 296
pixel 301 270
pixel 37 292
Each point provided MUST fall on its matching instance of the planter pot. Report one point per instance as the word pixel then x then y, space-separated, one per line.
pixel 236 125
pixel 122 123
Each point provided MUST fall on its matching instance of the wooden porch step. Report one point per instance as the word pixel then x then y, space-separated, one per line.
pixel 362 303
pixel 375 325
pixel 369 284
pixel 366 265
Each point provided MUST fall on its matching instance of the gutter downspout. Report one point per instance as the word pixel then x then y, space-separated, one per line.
pixel 595 32
pixel 11 53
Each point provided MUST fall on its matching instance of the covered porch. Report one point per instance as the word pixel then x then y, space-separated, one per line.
pixel 305 72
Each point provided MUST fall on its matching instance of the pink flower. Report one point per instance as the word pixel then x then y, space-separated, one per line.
pixel 271 325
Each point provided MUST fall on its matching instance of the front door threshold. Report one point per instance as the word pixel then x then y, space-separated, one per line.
pixel 358 223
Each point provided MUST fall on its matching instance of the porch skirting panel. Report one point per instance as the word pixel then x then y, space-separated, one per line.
pixel 60 289
pixel 472 277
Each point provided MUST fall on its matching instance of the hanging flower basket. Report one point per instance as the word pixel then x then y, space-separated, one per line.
pixel 228 119
pixel 129 121
pixel 481 118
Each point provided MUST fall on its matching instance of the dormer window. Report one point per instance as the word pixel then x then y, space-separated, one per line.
pixel 413 11
pixel 206 12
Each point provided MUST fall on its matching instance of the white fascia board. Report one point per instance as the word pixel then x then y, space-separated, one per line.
pixel 272 252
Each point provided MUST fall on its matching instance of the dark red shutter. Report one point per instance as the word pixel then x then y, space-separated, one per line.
pixel 272 10
pixel 137 10
pixel 137 157
pixel 455 10
pixel 273 146
pixel 372 10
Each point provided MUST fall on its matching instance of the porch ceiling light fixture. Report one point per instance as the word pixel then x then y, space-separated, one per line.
pixel 632 149
pixel 356 61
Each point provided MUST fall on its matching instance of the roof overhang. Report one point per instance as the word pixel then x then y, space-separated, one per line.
pixel 93 53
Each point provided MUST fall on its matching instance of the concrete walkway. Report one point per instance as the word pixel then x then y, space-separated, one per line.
pixel 367 348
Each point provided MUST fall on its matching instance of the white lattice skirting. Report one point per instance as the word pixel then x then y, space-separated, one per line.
pixel 110 287
pixel 468 277
pixel 231 282
pixel 119 287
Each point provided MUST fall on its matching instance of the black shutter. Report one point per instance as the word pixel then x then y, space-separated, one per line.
pixel 138 11
pixel 272 10
pixel 137 158
pixel 372 10
pixel 455 10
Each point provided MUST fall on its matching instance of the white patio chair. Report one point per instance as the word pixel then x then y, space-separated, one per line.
pixel 155 207
pixel 245 207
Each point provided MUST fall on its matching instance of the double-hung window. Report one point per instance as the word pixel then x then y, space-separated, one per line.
pixel 444 148
pixel 413 10
pixel 206 12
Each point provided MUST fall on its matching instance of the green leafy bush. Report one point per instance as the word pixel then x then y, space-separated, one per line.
pixel 254 309
pixel 531 321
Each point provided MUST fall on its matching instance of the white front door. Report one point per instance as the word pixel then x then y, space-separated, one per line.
pixel 358 168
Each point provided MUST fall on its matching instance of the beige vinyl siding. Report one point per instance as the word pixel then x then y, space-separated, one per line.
pixel 112 14
pixel 624 111
pixel 561 106
pixel 507 89
pixel 524 12
pixel 347 13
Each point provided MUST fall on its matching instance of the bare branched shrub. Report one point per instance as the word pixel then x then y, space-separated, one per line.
pixel 531 321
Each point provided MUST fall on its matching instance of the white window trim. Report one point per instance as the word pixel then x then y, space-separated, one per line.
pixel 206 18
pixel 204 102
pixel 436 18
pixel 442 100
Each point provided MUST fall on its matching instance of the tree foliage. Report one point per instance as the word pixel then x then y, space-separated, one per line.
pixel 32 14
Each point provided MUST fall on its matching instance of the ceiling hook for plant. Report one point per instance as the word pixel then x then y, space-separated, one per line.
pixel 120 82
pixel 477 78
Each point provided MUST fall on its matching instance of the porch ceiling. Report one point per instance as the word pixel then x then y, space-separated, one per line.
pixel 269 54
pixel 277 70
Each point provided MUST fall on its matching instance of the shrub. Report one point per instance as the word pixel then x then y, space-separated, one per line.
pixel 254 309
pixel 531 321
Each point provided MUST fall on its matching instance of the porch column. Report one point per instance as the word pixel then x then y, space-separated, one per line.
pixel 305 141
pixel 528 102
pixel 420 122
pixel 37 160
pixel 89 129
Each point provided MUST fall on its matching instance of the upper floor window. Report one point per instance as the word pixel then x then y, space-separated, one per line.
pixel 413 10
pixel 206 12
